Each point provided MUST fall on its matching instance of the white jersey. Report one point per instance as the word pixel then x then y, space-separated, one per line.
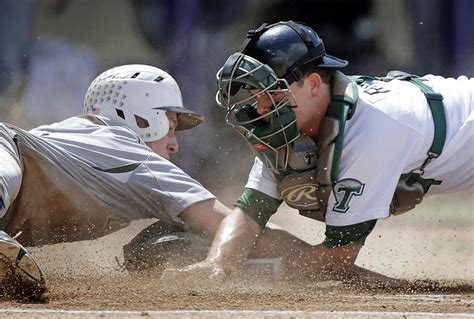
pixel 82 168
pixel 389 135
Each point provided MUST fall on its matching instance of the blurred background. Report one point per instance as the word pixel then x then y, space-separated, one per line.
pixel 50 50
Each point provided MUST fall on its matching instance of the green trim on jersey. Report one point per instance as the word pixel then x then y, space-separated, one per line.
pixel 259 206
pixel 343 235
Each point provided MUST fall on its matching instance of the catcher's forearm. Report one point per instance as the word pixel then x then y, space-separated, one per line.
pixel 234 240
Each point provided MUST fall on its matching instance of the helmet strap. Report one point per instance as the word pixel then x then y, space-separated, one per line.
pixel 252 35
pixel 299 68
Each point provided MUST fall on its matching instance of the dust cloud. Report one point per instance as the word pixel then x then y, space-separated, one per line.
pixel 434 241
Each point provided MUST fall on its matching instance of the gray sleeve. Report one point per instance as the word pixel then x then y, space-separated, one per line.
pixel 167 188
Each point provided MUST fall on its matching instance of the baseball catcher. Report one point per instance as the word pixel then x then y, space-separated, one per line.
pixel 343 150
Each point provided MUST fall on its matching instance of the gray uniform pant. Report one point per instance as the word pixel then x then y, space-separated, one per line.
pixel 10 172
pixel 43 212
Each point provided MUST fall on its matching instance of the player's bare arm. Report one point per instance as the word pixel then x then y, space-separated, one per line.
pixel 205 217
pixel 232 244
pixel 338 263
pixel 234 240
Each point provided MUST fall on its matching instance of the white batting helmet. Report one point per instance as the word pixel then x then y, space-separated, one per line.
pixel 138 96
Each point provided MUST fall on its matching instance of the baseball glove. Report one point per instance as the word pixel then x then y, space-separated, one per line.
pixel 161 245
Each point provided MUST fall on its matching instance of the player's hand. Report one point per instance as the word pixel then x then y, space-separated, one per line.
pixel 372 280
pixel 380 283
pixel 194 275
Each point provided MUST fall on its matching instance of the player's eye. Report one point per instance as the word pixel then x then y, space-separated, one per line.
pixel 248 87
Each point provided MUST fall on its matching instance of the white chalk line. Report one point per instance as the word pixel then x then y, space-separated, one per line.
pixel 444 298
pixel 219 313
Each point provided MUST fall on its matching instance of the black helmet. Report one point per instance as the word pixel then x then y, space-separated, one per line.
pixel 289 48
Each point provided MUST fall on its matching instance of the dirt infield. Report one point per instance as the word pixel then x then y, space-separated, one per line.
pixel 428 247
pixel 145 292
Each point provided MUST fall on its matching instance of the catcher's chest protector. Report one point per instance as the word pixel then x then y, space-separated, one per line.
pixel 307 184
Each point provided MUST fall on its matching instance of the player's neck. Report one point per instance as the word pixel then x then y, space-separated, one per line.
pixel 311 128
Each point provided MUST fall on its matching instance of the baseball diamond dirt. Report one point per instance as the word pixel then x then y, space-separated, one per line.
pixel 430 247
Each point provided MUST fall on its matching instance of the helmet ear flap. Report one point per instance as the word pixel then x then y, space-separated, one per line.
pixel 141 122
pixel 151 124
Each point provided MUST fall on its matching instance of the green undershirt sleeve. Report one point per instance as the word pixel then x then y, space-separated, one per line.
pixel 259 206
pixel 343 235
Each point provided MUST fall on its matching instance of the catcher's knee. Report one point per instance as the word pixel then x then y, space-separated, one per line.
pixel 161 245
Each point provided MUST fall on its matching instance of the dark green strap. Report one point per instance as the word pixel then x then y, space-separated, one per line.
pixel 344 110
pixel 435 101
pixel 342 107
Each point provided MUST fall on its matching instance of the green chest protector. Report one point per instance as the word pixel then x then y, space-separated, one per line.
pixel 309 190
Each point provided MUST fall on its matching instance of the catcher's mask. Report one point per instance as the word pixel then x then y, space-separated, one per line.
pixel 241 81
pixel 270 60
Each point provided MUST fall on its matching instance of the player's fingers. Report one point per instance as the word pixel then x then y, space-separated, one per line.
pixel 216 275
pixel 169 275
pixel 173 275
pixel 193 275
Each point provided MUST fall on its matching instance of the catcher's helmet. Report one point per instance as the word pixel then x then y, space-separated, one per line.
pixel 139 96
pixel 289 48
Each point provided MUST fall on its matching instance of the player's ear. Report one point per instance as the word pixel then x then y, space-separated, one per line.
pixel 314 82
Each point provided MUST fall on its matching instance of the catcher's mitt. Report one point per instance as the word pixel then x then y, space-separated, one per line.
pixel 20 276
pixel 161 245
